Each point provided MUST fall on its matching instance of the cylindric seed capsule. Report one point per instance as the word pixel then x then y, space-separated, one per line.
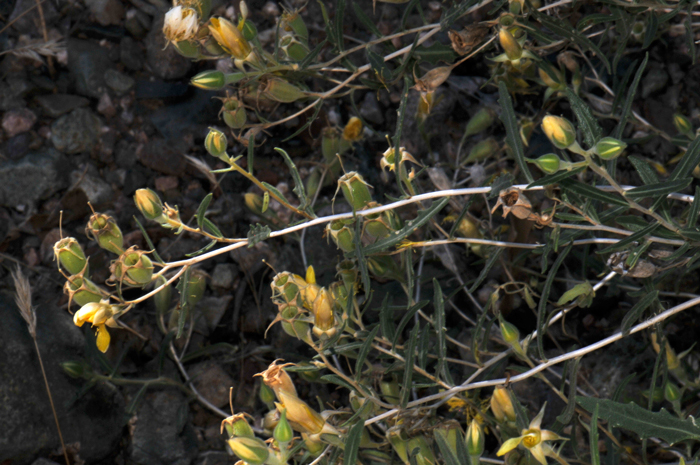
pixel 103 229
pixel 481 121
pixel 609 148
pixel 70 255
pixel 279 90
pixel 355 190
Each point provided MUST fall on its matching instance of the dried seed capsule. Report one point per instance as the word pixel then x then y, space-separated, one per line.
pixel 149 204
pixel 215 142
pixel 559 131
pixel 355 190
pixel 609 148
pixel 70 255
pixel 103 229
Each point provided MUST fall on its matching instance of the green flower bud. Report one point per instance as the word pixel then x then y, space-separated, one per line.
pixel 342 234
pixel 149 204
pixel 77 370
pixel 559 131
pixel 163 298
pixel 510 333
pixel 549 163
pixel 609 148
pixel 209 80
pixel 683 125
pixel 355 190
pixel 215 142
pixel 283 432
pixel 482 150
pixel 103 229
pixel 70 255
pixel 671 392
pixel 279 90
pixel 481 121
pixel 251 450
pixel 475 439
pixel 197 284
pixel 82 291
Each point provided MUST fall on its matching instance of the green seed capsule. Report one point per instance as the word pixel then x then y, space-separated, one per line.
pixel 82 291
pixel 355 190
pixel 215 142
pixel 70 255
pixel 342 235
pixel 279 90
pixel 103 229
pixel 197 284
pixel 482 150
pixel 163 298
pixel 609 148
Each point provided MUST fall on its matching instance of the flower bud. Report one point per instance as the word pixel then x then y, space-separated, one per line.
pixel 671 392
pixel 279 90
pixel 559 131
pixel 352 132
pixel 549 163
pixel 510 333
pixel 482 150
pixel 180 24
pixel 501 405
pixel 77 370
pixel 215 142
pixel 355 190
pixel 511 46
pixel 209 80
pixel 103 229
pixel 555 81
pixel 149 204
pixel 283 433
pixel 230 38
pixel 82 291
pixel 70 255
pixel 481 121
pixel 683 125
pixel 324 319
pixel 609 148
pixel 475 439
pixel 251 450
pixel 197 284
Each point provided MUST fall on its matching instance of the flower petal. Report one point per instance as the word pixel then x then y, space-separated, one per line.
pixel 538 453
pixel 550 435
pixel 509 445
pixel 103 338
pixel 537 421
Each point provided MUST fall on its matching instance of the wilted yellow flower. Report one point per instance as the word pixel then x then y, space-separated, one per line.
pixel 353 130
pixel 99 314
pixel 230 38
pixel 277 379
pixel 501 405
pixel 533 439
pixel 180 24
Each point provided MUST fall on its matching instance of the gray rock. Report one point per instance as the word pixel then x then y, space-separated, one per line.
pixel 164 62
pixel 106 12
pixel 76 132
pixel 223 275
pixel 55 105
pixel 161 433
pixel 95 189
pixel 212 382
pixel 212 310
pixel 94 420
pixel 162 157
pixel 43 461
pixel 655 79
pixel 370 109
pixel 119 82
pixel 18 121
pixel 9 99
pixel 131 54
pixel 138 22
pixel 87 62
pixel 31 178
pixel 26 23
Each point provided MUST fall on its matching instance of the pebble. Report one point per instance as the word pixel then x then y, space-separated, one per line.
pixel 655 79
pixel 131 54
pixel 106 12
pixel 166 183
pixel 223 275
pixel 105 106
pixel 76 132
pixel 212 382
pixel 34 177
pixel 18 121
pixel 370 109
pixel 160 156
pixel 55 105
pixel 119 82
pixel 87 62
pixel 95 189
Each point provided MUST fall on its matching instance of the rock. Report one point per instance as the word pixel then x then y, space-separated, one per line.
pixel 138 23
pixel 26 23
pixel 192 116
pixel 119 82
pixel 213 309
pixel 223 274
pixel 55 105
pixel 43 461
pixel 165 183
pixel 106 12
pixel 18 121
pixel 9 99
pixel 212 382
pixel 32 178
pixel 160 156
pixel 131 54
pixel 125 153
pixel 95 189
pixel 17 147
pixel 93 420
pixel 164 62
pixel 370 109
pixel 655 79
pixel 87 63
pixel 161 433
pixel 76 132
pixel 105 106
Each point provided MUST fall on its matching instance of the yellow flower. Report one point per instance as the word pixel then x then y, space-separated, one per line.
pixel 230 38
pixel 533 439
pixel 99 314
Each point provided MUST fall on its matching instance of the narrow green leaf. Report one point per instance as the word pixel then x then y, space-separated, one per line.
pixel 330 32
pixel 379 67
pixel 627 107
pixel 555 178
pixel 258 233
pixel 591 192
pixel 309 122
pixel 502 182
pixel 652 29
pixel 439 320
pixel 409 356
pixel 337 380
pixel 645 171
pixel 183 286
pixel 593 437
pixel 635 312
pixel 202 250
pixel 694 209
pixel 366 20
pixel 399 128
pixel 435 53
pixel 364 351
pixel 306 62
pixel 542 307
pixel 352 442
pixel 510 122
pixel 567 31
pixel 397 236
pixel 361 254
pixel 487 268
pixel 636 237
pixel 689 33
pixel 592 132
pixel 202 210
pixel 644 423
pixel 462 214
pixel 251 153
pixel 386 319
pixel 408 316
pixel 568 413
pixel 445 449
pixel 211 228
pixel 424 346
pixel 339 17
pixel 659 190
pixel 299 188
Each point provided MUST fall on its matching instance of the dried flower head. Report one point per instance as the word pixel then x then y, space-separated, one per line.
pixel 513 200
pixel 180 24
